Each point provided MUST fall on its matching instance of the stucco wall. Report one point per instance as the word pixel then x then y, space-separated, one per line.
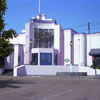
pixel 67 47
pixel 80 49
pixel 20 39
pixel 24 70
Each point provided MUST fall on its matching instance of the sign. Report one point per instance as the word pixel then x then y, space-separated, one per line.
pixel 66 60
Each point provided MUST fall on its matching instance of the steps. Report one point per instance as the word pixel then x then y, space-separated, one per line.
pixel 64 74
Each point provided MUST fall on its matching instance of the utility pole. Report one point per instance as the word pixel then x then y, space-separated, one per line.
pixel 88 27
pixel 89 33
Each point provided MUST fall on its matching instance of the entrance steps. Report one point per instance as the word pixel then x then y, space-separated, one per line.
pixel 64 74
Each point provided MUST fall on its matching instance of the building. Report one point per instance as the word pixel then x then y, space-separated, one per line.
pixel 44 42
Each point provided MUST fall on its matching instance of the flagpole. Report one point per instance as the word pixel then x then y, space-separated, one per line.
pixel 39 6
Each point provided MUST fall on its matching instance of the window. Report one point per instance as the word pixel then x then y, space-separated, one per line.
pixel 35 58
pixel 43 38
pixel 45 58
pixel 18 59
pixel 55 59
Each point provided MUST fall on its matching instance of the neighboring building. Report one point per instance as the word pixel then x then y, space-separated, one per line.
pixel 44 42
pixel 93 42
pixel 95 53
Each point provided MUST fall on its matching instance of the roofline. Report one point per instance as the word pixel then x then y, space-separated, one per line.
pixel 71 30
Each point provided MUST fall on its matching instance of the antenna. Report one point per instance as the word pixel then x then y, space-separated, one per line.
pixel 39 6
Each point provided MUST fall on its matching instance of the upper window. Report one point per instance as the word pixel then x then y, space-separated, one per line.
pixel 43 38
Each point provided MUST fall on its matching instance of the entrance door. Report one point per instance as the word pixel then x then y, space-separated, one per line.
pixel 45 58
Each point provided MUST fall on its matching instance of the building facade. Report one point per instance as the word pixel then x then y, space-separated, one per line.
pixel 44 42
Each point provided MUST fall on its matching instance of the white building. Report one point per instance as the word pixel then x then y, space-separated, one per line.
pixel 44 43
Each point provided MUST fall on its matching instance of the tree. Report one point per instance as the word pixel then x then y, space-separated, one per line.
pixel 3 7
pixel 10 34
pixel 6 48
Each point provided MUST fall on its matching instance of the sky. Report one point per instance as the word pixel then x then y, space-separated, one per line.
pixel 68 13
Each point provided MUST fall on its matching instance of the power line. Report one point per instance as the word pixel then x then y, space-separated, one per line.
pixel 80 26
pixel 86 25
pixel 88 28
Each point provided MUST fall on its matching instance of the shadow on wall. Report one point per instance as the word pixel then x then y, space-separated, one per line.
pixel 21 71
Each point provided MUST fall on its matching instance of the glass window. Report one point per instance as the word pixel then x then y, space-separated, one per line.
pixel 35 30
pixel 43 38
pixel 51 31
pixel 45 58
pixel 41 30
pixel 55 59
pixel 35 59
pixel 45 30
pixel 18 59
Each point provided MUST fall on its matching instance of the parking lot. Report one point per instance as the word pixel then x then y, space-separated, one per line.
pixel 48 88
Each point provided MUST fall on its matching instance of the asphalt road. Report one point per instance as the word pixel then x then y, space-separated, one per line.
pixel 48 88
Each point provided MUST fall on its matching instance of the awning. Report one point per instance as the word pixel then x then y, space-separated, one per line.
pixel 94 52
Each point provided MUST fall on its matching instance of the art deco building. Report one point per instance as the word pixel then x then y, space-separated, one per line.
pixel 44 42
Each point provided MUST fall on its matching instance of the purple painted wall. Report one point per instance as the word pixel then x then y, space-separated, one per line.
pixel 62 47
pixel 21 54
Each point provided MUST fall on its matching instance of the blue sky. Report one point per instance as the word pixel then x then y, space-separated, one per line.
pixel 68 13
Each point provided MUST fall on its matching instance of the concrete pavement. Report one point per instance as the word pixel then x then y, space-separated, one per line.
pixel 49 88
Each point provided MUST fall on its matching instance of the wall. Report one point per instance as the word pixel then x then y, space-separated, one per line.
pixel 27 43
pixel 9 61
pixel 67 47
pixel 80 49
pixel 21 54
pixel 41 70
pixel 89 70
pixel 19 40
pixel 24 70
pixel 59 44
pixel 18 51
